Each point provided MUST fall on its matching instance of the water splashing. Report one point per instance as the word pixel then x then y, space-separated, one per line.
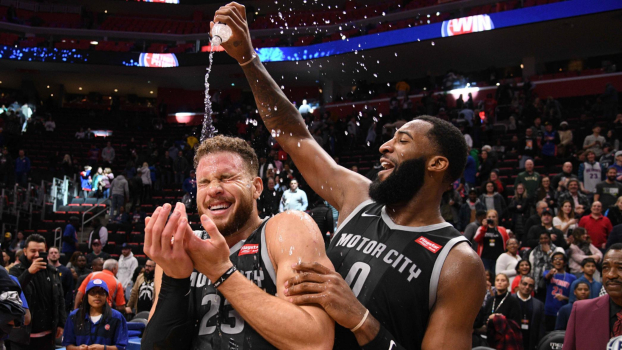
pixel 208 130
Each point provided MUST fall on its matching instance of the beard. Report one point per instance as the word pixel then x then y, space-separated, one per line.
pixel 401 185
pixel 238 219
pixel 149 276
pixel 611 178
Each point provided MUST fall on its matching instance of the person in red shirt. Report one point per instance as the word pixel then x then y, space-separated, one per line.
pixel 598 226
pixel 116 297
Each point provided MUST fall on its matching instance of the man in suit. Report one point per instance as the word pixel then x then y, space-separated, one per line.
pixel 601 318
pixel 532 314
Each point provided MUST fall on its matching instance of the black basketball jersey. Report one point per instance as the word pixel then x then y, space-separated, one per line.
pixel 217 325
pixel 393 270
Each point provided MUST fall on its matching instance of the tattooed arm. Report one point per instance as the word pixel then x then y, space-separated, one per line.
pixel 342 188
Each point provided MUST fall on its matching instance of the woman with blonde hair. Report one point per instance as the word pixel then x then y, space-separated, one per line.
pixel 565 220
pixel 106 181
pixel 491 240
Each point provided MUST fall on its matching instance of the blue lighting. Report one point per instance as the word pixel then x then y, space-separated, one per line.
pixel 42 54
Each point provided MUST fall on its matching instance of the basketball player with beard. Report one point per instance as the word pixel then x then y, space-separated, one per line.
pixel 223 288
pixel 405 279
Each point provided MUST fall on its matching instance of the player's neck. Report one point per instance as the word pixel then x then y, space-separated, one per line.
pixel 251 225
pixel 422 210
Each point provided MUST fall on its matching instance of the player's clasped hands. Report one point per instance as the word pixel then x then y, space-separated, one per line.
pixel 316 284
pixel 170 243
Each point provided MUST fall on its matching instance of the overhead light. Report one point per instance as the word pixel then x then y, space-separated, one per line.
pixel 94 42
pixel 232 84
pixel 80 88
pixel 48 86
pixel 51 95
pixel 151 92
pixel 498 84
pixel 0 81
pixel 256 13
pixel 116 90
pixel 105 11
pixel 522 66
pixel 110 97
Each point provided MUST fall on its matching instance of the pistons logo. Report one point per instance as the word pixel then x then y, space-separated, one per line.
pixel 158 60
pixel 107 327
pixel 466 25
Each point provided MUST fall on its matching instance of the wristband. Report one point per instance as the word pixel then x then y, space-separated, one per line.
pixel 383 340
pixel 360 323
pixel 224 276
pixel 253 56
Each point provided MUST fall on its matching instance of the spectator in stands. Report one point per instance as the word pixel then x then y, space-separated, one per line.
pixel 65 276
pixel 190 184
pixel 590 174
pixel 580 202
pixel 167 168
pixel 470 172
pixel 565 139
pixel 66 166
pixel 530 178
pixel 143 292
pixel 450 205
pixel 108 154
pixel 96 253
pixel 493 200
pixel 469 209
pixel 599 318
pixel 518 209
pixel 145 176
pixel 86 181
pixel 491 239
pixel 84 329
pixel 180 167
pixel 614 213
pixel 533 236
pixel 120 192
pixel 121 218
pixel 595 141
pixel 608 159
pixel 22 169
pixel 268 202
pixel 96 265
pixel 549 142
pixel 588 275
pixel 565 220
pixel 557 288
pixel 18 255
pixel 502 303
pixel 506 262
pixel 560 180
pixel 532 313
pixel 535 219
pixel 494 177
pixel 540 259
pixel 6 259
pixel 41 285
pixel 116 297
pixel 580 291
pixel 81 266
pixel 93 155
pixel 18 243
pixel 523 268
pixel 598 226
pixel 100 232
pixel 618 165
pixel 70 236
pixel 80 134
pixel 547 193
pixel 486 165
pixel 127 265
pixel 528 149
pixel 138 216
pixel 323 217
pixel 50 125
pixel 608 191
pixel 7 168
pixel 294 198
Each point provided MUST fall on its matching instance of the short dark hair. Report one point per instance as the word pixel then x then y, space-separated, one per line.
pixel 577 285
pixel 588 260
pixel 558 253
pixel 450 143
pixel 525 260
pixel 480 213
pixel 37 238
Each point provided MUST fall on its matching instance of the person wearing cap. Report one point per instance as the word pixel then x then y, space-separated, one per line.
pixel 127 265
pixel 95 324
pixel 116 295
pixel 96 253
pixel 533 235
pixel 70 236
pixel 558 283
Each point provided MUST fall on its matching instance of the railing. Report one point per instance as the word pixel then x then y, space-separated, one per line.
pixel 58 237
pixel 107 201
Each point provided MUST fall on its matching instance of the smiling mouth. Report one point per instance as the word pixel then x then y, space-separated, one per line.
pixel 219 207
pixel 386 165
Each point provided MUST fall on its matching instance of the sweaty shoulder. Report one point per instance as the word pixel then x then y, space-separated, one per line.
pixel 463 267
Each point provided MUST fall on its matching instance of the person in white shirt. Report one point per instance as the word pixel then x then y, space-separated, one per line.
pixel 127 265
pixel 506 262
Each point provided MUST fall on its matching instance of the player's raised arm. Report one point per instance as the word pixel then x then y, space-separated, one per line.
pixel 339 186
